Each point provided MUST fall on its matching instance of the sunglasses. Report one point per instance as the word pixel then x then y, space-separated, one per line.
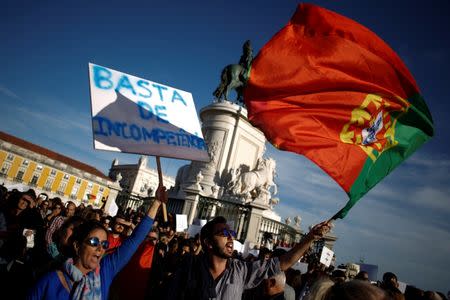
pixel 95 242
pixel 227 233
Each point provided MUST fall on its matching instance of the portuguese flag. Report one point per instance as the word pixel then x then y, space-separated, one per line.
pixel 330 89
pixel 91 198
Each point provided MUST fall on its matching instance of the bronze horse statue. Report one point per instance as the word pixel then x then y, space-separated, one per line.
pixel 235 76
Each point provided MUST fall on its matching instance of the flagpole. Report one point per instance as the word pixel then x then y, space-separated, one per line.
pixel 160 177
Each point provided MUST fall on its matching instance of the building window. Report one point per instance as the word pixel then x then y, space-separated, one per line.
pixel 34 180
pixel 73 194
pixel 53 172
pixel 66 176
pixel 78 180
pixel 61 188
pixel 48 184
pixel 39 167
pixel 5 169
pixel 25 162
pixel 10 156
pixel 101 189
pixel 19 175
pixel 90 184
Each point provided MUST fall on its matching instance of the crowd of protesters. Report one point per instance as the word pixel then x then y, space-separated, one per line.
pixel 55 250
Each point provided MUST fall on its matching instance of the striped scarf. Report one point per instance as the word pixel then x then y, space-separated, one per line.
pixel 87 286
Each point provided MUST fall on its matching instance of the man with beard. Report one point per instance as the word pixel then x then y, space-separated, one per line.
pixel 215 275
pixel 119 228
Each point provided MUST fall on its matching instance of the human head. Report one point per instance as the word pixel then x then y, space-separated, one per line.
pixel 349 290
pixel 58 207
pixel 390 280
pixel 152 237
pixel 106 221
pixel 62 236
pixel 87 254
pixel 264 253
pixel 362 275
pixel 24 201
pixel 216 238
pixel 70 209
pixel 44 205
pixel 338 276
pixel 42 197
pixel 30 195
pixel 275 284
pixel 119 224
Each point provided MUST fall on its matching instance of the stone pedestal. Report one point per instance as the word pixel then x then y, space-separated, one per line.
pixel 190 202
pixel 254 224
pixel 232 141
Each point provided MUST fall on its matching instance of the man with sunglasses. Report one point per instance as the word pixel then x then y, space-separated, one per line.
pixel 215 275
pixel 118 232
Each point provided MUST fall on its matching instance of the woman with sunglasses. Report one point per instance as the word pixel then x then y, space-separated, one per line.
pixel 87 275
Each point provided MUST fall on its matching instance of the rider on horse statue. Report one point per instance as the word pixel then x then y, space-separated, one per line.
pixel 235 76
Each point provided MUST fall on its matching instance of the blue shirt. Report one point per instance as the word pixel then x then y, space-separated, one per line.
pixel 50 287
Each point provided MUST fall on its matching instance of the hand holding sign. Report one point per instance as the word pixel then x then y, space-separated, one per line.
pixel 162 194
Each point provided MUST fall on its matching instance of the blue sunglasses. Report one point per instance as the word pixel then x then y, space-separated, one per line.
pixel 95 242
pixel 227 233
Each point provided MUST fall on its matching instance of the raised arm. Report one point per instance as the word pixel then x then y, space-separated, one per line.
pixel 119 258
pixel 291 257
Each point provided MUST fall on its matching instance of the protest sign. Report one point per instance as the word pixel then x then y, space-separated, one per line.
pixel 238 246
pixel 181 223
pixel 326 257
pixel 193 230
pixel 402 286
pixel 135 115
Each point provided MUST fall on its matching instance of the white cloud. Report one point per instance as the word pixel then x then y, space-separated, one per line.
pixel 8 93
pixel 64 120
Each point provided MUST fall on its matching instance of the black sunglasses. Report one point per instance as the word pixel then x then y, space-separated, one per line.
pixel 227 233
pixel 95 242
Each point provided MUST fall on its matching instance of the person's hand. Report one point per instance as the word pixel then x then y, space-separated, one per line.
pixel 319 230
pixel 28 232
pixel 161 194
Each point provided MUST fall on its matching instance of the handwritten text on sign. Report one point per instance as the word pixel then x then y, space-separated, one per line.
pixel 131 114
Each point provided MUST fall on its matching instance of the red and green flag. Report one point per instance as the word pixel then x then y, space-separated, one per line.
pixel 91 198
pixel 330 89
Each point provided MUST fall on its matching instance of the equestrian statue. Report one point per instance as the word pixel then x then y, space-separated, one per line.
pixel 235 76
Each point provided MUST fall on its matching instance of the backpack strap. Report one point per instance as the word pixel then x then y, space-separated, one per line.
pixel 63 280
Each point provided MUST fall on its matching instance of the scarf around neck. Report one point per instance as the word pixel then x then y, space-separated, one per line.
pixel 86 286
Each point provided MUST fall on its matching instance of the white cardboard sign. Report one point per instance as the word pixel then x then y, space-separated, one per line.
pixel 238 246
pixel 181 223
pixel 135 115
pixel 326 257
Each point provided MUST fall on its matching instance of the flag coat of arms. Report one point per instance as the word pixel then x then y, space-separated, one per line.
pixel 330 89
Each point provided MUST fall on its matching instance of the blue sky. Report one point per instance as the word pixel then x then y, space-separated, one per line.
pixel 45 46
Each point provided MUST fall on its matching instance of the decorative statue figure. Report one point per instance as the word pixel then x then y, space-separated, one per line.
pixel 297 221
pixel 273 201
pixel 235 76
pixel 257 181
pixel 142 161
pixel 287 221
pixel 198 180
pixel 118 177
